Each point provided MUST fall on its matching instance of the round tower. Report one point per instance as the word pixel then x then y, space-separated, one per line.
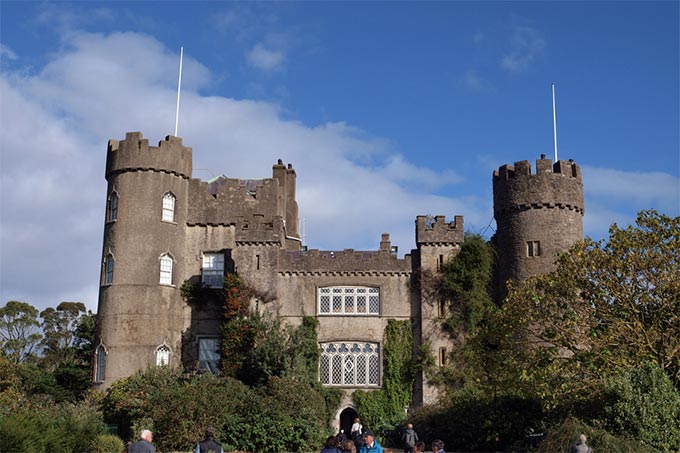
pixel 537 215
pixel 140 314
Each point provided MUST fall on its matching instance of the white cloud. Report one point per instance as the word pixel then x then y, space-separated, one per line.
pixel 6 52
pixel 474 82
pixel 613 196
pixel 526 44
pixel 264 58
pixel 53 134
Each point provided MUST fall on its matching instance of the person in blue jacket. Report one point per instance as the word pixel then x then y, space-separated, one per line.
pixel 371 444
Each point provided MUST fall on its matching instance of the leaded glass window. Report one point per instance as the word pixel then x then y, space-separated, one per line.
pixel 349 364
pixel 349 300
pixel 213 270
pixel 162 356
pixel 168 207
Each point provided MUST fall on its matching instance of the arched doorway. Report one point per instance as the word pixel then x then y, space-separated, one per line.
pixel 347 417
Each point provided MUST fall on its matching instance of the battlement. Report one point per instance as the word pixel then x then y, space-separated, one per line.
pixel 557 185
pixel 135 154
pixel 435 230
pixel 382 261
pixel 544 166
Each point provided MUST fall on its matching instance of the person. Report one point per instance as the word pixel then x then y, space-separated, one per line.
pixel 437 446
pixel 348 447
pixel 357 433
pixel 581 446
pixel 341 438
pixel 419 447
pixel 356 428
pixel 209 445
pixel 409 438
pixel 371 444
pixel 143 445
pixel 331 445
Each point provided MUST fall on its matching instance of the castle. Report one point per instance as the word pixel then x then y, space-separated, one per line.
pixel 164 228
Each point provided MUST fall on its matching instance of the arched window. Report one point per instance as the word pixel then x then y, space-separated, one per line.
pixel 168 207
pixel 166 269
pixel 349 300
pixel 162 356
pixel 112 212
pixel 100 364
pixel 349 364
pixel 108 269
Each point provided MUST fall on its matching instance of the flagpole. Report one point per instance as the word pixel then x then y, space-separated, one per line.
pixel 554 121
pixel 179 87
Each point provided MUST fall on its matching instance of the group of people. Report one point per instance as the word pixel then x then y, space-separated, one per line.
pixel 362 441
pixel 207 445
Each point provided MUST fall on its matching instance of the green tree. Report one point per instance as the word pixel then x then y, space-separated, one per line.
pixel 19 330
pixel 60 332
pixel 607 306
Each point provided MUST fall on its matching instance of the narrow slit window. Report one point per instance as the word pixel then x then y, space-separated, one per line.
pixel 442 309
pixel 100 364
pixel 108 269
pixel 442 357
pixel 257 262
pixel 113 207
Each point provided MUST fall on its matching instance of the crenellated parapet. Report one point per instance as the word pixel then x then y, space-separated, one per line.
pixel 343 262
pixel 437 231
pixel 256 229
pixel 135 154
pixel 553 186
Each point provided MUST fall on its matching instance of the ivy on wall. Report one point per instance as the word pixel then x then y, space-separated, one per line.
pixel 383 410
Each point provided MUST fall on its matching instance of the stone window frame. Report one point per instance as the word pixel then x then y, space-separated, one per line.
pixel 109 265
pixel 345 293
pixel 533 249
pixel 100 354
pixel 169 203
pixel 442 358
pixel 112 206
pixel 164 259
pixel 348 361
pixel 163 353
pixel 209 275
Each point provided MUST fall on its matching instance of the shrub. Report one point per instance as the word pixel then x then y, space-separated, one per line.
pixel 643 403
pixel 564 435
pixel 106 443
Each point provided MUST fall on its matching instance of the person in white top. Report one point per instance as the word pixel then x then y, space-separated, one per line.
pixel 357 428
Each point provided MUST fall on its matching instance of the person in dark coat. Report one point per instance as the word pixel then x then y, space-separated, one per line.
pixel 209 445
pixel 331 445
pixel 438 446
pixel 409 438
pixel 143 445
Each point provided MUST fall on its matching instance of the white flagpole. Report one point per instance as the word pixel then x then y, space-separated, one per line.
pixel 179 87
pixel 554 121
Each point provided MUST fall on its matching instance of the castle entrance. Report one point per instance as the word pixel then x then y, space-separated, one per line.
pixel 347 417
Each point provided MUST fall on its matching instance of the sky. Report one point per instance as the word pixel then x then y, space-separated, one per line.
pixel 387 110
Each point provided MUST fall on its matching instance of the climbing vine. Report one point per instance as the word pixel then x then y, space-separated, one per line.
pixel 383 410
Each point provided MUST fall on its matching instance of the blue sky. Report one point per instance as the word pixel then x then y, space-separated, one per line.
pixel 387 110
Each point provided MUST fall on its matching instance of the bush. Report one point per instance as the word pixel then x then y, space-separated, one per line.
pixel 479 423
pixel 643 403
pixel 284 415
pixel 63 428
pixel 106 443
pixel 563 436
